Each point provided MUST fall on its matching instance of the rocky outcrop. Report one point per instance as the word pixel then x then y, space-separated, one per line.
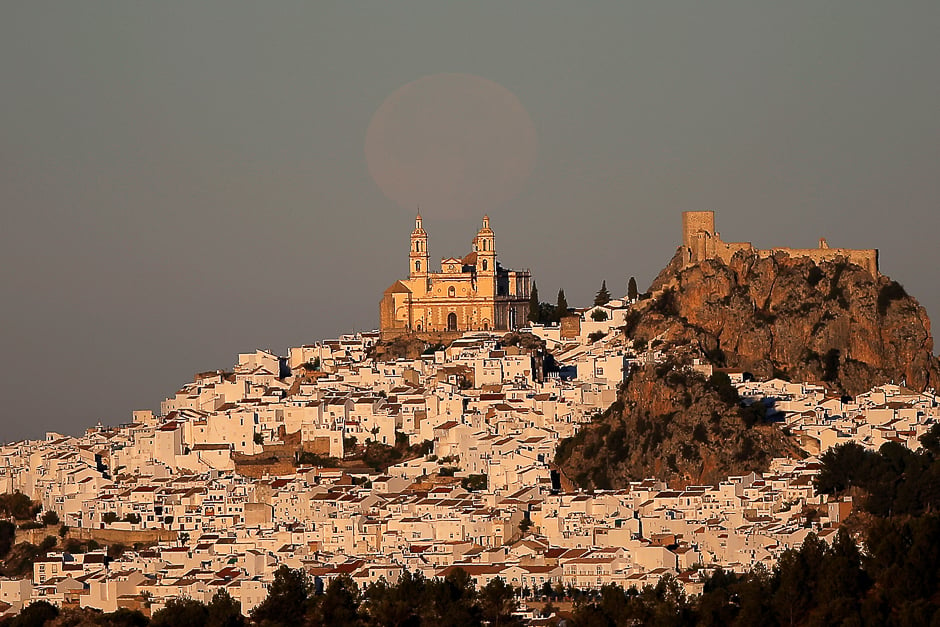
pixel 832 322
pixel 405 346
pixel 670 422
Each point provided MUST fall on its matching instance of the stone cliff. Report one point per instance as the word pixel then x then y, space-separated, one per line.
pixel 832 322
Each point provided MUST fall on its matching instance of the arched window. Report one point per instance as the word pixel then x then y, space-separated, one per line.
pixel 485 265
pixel 451 291
pixel 417 266
pixel 485 245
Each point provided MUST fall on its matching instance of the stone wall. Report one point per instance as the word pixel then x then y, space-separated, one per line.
pixel 104 537
pixel 701 241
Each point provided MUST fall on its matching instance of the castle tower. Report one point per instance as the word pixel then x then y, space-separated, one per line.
pixel 418 256
pixel 694 222
pixel 698 235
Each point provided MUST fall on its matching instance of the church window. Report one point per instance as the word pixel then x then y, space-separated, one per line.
pixel 485 247
pixel 417 266
pixel 451 291
pixel 452 322
pixel 485 265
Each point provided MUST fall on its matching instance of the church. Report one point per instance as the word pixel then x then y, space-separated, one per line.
pixel 473 293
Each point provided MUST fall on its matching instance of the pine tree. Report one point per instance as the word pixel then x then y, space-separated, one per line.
pixel 603 296
pixel 561 307
pixel 535 308
pixel 632 292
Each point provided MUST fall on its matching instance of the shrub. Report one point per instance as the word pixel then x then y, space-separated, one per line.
pixel 891 292
pixel 755 413
pixel 19 506
pixel 473 483
pixel 720 382
pixel 312 459
pixel 830 364
pixel 50 518
pixel 815 276
pixel 666 304
pixel 379 456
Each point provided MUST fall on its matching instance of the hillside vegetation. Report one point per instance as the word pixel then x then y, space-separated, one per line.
pixel 672 423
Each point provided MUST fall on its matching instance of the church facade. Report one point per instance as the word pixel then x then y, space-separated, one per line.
pixel 471 293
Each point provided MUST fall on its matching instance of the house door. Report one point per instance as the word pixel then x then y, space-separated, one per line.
pixel 452 322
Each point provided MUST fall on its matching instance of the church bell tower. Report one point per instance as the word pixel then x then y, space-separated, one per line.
pixel 484 245
pixel 418 256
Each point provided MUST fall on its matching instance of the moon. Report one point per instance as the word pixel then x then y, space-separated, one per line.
pixel 452 145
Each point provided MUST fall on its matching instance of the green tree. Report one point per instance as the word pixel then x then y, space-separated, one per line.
pixel 50 518
pixel 400 605
pixel 561 306
pixel 181 613
pixel 339 605
pixel 498 602
pixel 287 600
pixel 7 535
pixel 632 292
pixel 19 506
pixel 535 308
pixel 603 295
pixel 224 611
pixel 452 601
pixel 35 615
pixel 122 617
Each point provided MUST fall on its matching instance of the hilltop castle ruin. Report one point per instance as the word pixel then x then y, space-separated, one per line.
pixel 701 241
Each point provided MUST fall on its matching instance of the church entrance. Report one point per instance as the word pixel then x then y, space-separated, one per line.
pixel 452 322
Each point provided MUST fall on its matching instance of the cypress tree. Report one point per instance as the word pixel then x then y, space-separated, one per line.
pixel 603 296
pixel 561 308
pixel 632 292
pixel 535 308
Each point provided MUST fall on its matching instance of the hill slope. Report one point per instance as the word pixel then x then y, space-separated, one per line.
pixel 672 423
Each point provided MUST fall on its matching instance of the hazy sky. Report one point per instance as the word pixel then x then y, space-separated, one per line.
pixel 183 181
